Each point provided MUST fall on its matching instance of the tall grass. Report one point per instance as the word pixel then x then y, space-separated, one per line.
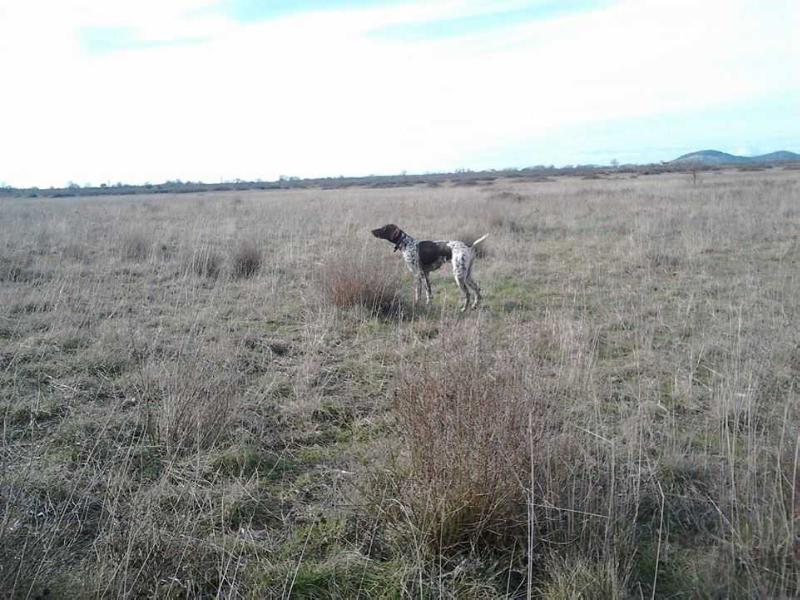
pixel 469 417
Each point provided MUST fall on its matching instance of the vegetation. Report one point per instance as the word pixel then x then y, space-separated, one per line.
pixel 709 160
pixel 231 393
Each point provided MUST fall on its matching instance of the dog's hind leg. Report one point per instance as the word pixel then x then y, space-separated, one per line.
pixel 476 290
pixel 460 275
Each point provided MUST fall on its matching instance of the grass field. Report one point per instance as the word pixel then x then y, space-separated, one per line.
pixel 231 395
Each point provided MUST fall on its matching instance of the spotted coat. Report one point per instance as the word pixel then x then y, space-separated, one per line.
pixel 424 256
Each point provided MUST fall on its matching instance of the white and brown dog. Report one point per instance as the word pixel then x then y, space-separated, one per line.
pixel 424 256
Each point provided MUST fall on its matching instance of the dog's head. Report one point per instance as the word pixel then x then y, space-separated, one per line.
pixel 390 233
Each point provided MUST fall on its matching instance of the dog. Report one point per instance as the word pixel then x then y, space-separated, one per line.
pixel 424 256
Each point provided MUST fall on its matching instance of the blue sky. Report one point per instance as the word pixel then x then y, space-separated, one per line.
pixel 150 90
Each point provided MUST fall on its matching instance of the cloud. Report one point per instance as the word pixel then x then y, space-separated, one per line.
pixel 322 92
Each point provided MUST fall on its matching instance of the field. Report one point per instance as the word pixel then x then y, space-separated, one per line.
pixel 232 395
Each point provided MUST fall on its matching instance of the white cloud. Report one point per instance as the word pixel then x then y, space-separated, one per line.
pixel 322 93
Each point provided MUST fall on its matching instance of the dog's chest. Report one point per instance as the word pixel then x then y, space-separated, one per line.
pixel 411 256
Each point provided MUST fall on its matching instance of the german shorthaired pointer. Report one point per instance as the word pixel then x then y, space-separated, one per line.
pixel 423 256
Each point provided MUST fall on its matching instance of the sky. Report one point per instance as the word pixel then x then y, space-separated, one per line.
pixel 136 91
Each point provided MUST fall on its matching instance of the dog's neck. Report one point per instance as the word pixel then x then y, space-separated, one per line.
pixel 403 242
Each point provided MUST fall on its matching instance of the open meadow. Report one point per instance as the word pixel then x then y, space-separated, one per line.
pixel 232 395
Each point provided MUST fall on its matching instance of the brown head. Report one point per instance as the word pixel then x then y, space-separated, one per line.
pixel 390 233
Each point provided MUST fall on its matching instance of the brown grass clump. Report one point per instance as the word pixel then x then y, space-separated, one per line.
pixel 346 282
pixel 245 259
pixel 469 420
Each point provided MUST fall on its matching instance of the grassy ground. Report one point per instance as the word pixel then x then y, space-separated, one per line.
pixel 231 394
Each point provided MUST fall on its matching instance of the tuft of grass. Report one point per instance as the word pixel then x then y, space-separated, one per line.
pixel 469 421
pixel 245 259
pixel 348 283
pixel 192 402
pixel 203 261
pixel 16 268
pixel 663 260
pixel 135 246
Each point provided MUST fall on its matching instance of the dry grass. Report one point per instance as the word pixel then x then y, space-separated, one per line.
pixel 246 259
pixel 469 418
pixel 188 413
pixel 193 402
pixel 347 282
pixel 203 261
pixel 135 246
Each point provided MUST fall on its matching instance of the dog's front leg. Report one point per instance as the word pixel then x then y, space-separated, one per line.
pixel 427 283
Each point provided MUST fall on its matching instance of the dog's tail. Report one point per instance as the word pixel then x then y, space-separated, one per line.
pixel 479 240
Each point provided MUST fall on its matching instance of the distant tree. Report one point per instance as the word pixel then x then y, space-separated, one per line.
pixel 614 163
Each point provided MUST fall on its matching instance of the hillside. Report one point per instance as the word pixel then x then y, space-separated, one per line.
pixel 715 157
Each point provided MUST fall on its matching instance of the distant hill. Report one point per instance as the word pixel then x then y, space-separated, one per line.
pixel 715 157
